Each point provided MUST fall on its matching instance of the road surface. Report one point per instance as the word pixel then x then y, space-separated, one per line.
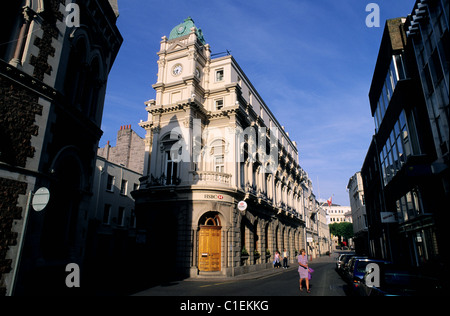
pixel 325 282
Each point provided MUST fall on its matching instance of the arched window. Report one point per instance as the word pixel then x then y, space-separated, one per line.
pixel 91 91
pixel 255 236
pixel 9 15
pixel 218 155
pixel 171 159
pixel 243 172
pixel 76 73
pixel 60 220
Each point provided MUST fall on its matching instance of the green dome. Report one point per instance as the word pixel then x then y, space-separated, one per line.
pixel 184 29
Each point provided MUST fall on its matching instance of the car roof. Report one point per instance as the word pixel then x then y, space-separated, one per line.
pixel 359 257
pixel 371 260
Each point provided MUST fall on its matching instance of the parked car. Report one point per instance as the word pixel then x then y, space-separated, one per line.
pixel 342 260
pixel 357 270
pixel 345 270
pixel 400 281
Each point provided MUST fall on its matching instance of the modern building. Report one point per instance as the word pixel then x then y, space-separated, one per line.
pixel 405 173
pixel 359 217
pixel 427 31
pixel 53 77
pixel 212 143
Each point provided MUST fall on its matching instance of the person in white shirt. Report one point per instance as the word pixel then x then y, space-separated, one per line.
pixel 285 258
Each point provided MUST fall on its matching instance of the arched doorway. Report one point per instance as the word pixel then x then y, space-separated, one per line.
pixel 61 216
pixel 209 243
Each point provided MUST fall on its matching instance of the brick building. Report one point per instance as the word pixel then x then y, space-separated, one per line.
pixel 52 81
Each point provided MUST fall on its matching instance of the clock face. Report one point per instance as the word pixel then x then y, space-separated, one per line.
pixel 197 73
pixel 177 69
pixel 181 29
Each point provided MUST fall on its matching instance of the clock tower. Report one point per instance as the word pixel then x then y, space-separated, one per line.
pixel 184 58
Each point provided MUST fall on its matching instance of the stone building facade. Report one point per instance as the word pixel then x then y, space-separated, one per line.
pixel 53 80
pixel 211 143
pixel 355 189
pixel 128 152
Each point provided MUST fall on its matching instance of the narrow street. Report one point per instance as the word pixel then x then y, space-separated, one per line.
pixel 325 282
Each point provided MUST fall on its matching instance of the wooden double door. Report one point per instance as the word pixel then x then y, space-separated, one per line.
pixel 209 250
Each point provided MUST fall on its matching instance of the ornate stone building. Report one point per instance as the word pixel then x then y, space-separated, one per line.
pixel 53 74
pixel 212 142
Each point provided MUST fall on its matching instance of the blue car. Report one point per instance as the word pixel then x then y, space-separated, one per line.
pixel 357 271
pixel 399 281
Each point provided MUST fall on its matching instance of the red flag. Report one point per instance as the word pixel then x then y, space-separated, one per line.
pixel 329 201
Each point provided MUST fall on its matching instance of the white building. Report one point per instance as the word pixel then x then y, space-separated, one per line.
pixel 211 142
pixel 357 204
pixel 338 213
pixel 114 205
pixel 358 208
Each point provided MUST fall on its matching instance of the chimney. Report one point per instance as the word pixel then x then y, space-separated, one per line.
pixel 107 150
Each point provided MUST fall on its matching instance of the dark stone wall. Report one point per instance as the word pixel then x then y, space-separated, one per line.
pixel 18 108
pixel 51 16
pixel 69 136
pixel 9 194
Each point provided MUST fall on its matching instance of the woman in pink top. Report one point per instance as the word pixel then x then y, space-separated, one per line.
pixel 303 269
pixel 276 262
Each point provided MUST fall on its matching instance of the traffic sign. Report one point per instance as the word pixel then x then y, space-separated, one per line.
pixel 40 199
pixel 242 206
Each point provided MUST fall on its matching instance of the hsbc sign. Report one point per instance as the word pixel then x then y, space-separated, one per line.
pixel 213 196
pixel 202 196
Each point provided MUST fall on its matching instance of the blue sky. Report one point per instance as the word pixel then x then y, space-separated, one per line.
pixel 311 61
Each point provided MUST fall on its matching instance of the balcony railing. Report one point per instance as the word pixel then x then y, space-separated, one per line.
pixel 209 178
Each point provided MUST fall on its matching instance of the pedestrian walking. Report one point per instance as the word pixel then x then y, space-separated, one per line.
pixel 276 261
pixel 285 258
pixel 303 269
